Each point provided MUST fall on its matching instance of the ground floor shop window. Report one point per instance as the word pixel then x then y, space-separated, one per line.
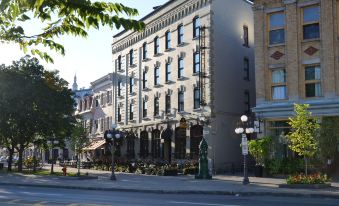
pixel 130 139
pixel 278 131
pixel 180 143
pixel 155 143
pixel 143 144
pixel 196 134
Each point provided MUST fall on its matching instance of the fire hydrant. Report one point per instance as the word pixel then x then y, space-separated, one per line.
pixel 64 170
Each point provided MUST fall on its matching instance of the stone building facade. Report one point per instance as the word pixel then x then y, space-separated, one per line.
pixel 189 74
pixel 296 61
pixel 94 105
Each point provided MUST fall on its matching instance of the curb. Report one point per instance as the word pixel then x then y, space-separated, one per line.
pixel 230 193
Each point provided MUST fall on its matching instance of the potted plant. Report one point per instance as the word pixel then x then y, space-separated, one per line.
pixel 259 149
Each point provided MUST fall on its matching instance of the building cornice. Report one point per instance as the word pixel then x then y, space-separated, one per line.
pixel 157 22
pixel 108 77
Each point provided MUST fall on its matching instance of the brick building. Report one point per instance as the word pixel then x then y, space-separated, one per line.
pixel 296 61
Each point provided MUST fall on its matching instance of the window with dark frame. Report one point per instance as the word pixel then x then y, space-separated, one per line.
pixel 168 40
pixel 131 111
pixel 246 69
pixel 168 104
pixel 277 28
pixel 155 143
pixel 156 106
pixel 313 81
pixel 131 57
pixel 196 27
pixel 180 34
pixel 144 79
pixel 181 103
pixel 247 102
pixel 245 31
pixel 196 98
pixel 119 63
pixel 144 108
pixel 144 51
pixel 196 62
pixel 156 76
pixel 131 85
pixel 119 114
pixel 108 94
pixel 144 142
pixel 119 88
pixel 311 17
pixel 156 46
pixel 168 72
pixel 96 101
pixel 180 67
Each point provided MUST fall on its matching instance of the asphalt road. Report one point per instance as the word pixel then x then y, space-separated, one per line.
pixel 12 195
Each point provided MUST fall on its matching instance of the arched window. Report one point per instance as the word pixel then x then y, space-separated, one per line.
pixel 155 143
pixel 196 134
pixel 143 144
pixel 130 139
pixel 180 143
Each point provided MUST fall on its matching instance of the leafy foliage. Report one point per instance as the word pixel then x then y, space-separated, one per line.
pixel 78 138
pixel 328 141
pixel 58 18
pixel 304 129
pixel 34 104
pixel 260 149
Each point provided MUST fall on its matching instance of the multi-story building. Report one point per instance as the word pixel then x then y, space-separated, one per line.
pixel 188 74
pixel 94 105
pixel 296 61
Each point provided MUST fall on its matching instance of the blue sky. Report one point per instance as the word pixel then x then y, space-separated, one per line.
pixel 89 58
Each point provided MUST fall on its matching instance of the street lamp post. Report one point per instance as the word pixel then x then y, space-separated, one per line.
pixel 244 130
pixel 113 135
pixel 52 142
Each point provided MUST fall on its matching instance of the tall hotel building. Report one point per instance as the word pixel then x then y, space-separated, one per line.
pixel 189 74
pixel 296 61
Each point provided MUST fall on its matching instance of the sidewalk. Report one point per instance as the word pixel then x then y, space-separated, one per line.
pixel 221 184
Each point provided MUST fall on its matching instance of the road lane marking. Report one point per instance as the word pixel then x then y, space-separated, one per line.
pixel 199 203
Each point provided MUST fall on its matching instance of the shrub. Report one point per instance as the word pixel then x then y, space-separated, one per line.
pixel 190 170
pixel 284 166
pixel 307 179
pixel 170 171
pixel 260 149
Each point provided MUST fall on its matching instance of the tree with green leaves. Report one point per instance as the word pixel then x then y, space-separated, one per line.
pixel 57 18
pixel 33 103
pixel 303 135
pixel 78 139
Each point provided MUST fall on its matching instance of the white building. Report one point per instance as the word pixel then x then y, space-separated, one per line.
pixel 193 63
pixel 94 105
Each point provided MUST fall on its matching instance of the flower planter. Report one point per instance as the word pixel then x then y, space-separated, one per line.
pixel 305 186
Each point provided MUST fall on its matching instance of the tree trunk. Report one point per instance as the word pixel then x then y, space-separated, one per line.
pixel 10 159
pixel 21 150
pixel 306 172
pixel 34 159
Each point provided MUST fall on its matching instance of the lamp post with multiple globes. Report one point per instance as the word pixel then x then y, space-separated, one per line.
pixel 244 129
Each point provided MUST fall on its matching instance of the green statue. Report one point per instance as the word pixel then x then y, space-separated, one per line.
pixel 203 161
